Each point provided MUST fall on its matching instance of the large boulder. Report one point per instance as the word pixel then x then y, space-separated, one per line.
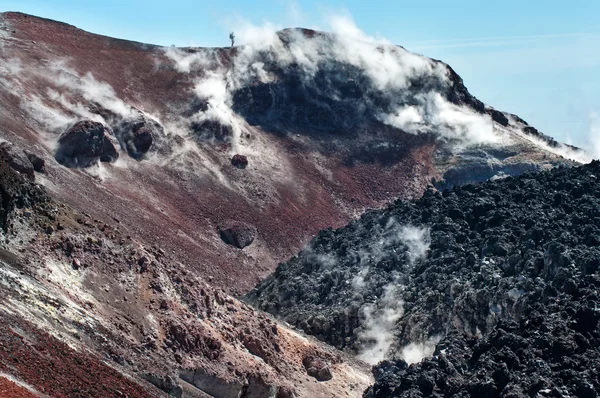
pixel 239 161
pixel 84 144
pixel 17 159
pixel 137 136
pixel 237 233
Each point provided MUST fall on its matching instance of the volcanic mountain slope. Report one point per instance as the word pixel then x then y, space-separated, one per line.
pixel 325 126
pixel 497 283
pixel 87 311
pixel 143 185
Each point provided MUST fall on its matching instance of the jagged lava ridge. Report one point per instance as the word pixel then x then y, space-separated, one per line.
pixel 496 284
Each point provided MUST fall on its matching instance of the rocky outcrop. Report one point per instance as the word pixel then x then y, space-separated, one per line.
pixel 317 368
pixel 17 192
pixel 84 144
pixel 497 281
pixel 167 383
pixel 237 233
pixel 17 159
pixel 139 135
pixel 39 164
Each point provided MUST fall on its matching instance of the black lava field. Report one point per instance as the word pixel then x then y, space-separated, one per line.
pixel 501 279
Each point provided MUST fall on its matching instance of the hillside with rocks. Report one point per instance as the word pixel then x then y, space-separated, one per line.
pixel 145 189
pixel 495 284
pixel 287 135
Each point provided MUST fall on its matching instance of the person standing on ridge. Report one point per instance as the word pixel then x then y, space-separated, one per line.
pixel 232 38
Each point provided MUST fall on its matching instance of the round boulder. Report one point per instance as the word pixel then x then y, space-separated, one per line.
pixel 239 161
pixel 237 233
pixel 137 136
pixel 84 144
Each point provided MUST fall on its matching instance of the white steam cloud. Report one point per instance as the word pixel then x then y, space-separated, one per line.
pixel 416 352
pixel 417 241
pixel 379 319
pixel 89 88
pixel 389 70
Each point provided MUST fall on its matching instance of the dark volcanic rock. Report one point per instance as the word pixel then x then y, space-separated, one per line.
pixel 38 163
pixel 503 276
pixel 18 192
pixel 17 159
pixel 207 130
pixel 137 136
pixel 238 234
pixel 239 161
pixel 497 116
pixel 337 96
pixel 84 144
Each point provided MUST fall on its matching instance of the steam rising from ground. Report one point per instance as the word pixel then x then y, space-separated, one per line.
pixel 389 70
pixel 378 325
pixel 415 352
pixel 64 84
pixel 416 240
pixel 379 319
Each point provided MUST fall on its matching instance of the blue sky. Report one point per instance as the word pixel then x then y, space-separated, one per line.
pixel 539 59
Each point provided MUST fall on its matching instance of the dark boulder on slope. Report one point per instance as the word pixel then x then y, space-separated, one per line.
pixel 239 161
pixel 17 159
pixel 317 368
pixel 84 144
pixel 506 288
pixel 138 136
pixel 237 233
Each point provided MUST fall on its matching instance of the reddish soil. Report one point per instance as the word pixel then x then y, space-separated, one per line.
pixel 55 369
pixel 9 389
pixel 179 209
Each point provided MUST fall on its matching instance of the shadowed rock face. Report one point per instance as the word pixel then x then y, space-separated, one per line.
pixel 84 144
pixel 137 140
pixel 39 164
pixel 502 278
pixel 338 96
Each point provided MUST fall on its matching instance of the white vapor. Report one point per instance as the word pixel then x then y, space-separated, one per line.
pixel 379 321
pixel 416 352
pixel 388 69
pixel 416 240
pixel 89 88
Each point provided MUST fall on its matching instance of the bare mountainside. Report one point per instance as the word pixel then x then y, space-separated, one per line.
pixel 329 126
pixel 144 187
